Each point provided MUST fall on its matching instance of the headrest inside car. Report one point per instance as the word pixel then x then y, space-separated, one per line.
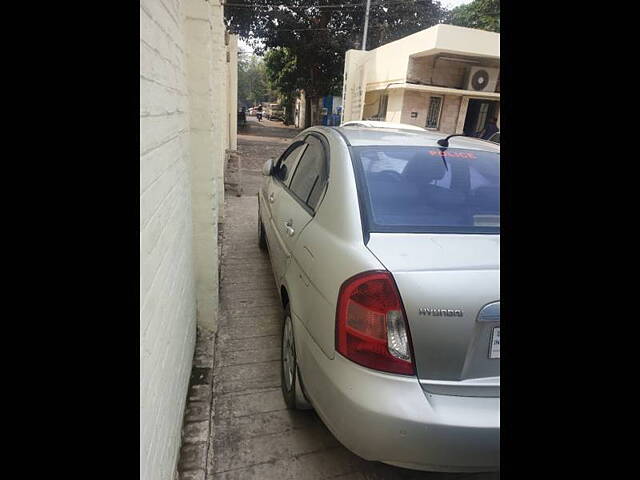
pixel 423 168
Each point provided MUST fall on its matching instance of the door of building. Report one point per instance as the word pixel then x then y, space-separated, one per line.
pixel 478 112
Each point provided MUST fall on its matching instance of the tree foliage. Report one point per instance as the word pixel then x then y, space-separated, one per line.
pixel 317 34
pixel 481 14
pixel 282 74
pixel 253 86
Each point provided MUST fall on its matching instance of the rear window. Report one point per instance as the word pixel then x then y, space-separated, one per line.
pixel 429 189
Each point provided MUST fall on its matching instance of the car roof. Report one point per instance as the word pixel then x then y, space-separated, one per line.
pixel 368 136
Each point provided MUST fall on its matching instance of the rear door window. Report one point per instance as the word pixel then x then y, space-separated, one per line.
pixel 425 189
pixel 310 177
pixel 287 163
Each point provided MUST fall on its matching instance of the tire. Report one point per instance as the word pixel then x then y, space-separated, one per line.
pixel 290 376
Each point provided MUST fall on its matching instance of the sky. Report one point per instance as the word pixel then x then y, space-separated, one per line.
pixel 454 3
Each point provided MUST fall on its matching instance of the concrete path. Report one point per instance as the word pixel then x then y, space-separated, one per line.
pixel 252 433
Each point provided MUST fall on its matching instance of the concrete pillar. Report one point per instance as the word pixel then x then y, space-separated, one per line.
pixel 395 102
pixel 353 86
pixel 205 156
pixel 218 73
pixel 232 48
pixel 462 114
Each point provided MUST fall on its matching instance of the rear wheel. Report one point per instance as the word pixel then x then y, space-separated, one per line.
pixel 291 387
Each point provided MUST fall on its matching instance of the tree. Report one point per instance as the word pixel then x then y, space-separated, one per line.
pixel 252 81
pixel 481 14
pixel 282 74
pixel 318 35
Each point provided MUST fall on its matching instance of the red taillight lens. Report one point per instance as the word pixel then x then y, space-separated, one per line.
pixel 371 328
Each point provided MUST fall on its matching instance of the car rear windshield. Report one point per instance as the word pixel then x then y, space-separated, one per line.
pixel 429 189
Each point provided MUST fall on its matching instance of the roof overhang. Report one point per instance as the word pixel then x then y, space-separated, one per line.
pixel 373 87
pixel 455 55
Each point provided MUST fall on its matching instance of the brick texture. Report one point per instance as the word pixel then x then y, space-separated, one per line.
pixel 181 52
pixel 167 283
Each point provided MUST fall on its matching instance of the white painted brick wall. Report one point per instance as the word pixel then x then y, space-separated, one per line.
pixel 220 103
pixel 183 84
pixel 167 280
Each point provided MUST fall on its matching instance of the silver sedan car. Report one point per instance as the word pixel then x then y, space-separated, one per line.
pixel 385 248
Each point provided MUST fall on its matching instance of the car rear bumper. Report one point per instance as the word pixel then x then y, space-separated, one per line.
pixel 391 419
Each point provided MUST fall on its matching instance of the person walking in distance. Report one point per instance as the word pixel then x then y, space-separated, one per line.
pixel 259 114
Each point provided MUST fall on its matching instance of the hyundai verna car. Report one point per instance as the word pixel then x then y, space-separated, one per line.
pixel 385 248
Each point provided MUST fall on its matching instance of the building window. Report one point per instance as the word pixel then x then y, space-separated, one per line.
pixel 433 114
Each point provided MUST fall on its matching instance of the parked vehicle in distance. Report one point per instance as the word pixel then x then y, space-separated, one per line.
pixel 385 249
pixel 495 138
pixel 273 111
pixel 380 124
pixel 277 115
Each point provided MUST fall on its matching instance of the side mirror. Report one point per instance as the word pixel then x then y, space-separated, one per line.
pixel 267 168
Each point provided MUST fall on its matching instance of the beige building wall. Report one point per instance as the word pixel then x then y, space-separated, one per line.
pixel 415 102
pixel 412 59
pixel 353 85
pixel 371 105
pixel 431 70
pixel 419 102
pixel 394 105
pixel 390 62
pixel 183 138
pixel 450 113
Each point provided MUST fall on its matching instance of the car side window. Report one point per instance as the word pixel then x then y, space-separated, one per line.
pixel 287 163
pixel 310 176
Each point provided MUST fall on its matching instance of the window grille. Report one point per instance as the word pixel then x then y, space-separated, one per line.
pixel 433 114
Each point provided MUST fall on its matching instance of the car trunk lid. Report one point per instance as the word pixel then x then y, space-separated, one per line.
pixel 450 288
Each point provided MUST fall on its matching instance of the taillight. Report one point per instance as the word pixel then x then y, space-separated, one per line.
pixel 371 328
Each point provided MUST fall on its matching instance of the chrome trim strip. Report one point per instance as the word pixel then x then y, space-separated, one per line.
pixel 475 387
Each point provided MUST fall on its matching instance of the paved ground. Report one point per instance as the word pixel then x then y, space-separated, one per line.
pixel 250 434
pixel 257 142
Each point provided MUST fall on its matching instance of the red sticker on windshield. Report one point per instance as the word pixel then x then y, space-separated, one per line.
pixel 447 153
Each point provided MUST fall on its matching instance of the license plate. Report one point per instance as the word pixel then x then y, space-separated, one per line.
pixel 494 347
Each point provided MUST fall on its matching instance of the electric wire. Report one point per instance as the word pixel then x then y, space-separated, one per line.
pixel 309 7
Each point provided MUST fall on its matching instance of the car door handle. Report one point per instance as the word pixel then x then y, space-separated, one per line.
pixel 272 197
pixel 289 226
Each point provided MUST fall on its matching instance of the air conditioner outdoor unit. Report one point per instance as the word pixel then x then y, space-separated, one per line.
pixel 481 79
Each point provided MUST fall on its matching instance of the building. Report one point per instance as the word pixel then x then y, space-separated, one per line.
pixel 188 86
pixel 325 111
pixel 444 78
